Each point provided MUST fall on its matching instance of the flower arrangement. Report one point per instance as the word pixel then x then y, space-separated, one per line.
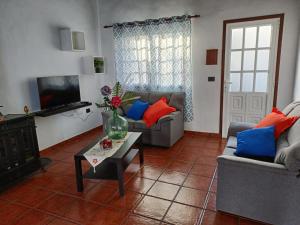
pixel 116 127
pixel 115 97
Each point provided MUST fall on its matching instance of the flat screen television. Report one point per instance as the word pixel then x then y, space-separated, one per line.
pixel 57 91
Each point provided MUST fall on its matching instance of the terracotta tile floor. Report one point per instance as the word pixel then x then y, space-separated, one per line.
pixel 175 186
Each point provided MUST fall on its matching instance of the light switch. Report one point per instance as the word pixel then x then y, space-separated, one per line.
pixel 211 79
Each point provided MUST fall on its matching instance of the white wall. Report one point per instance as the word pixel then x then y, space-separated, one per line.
pixel 30 47
pixel 297 77
pixel 206 34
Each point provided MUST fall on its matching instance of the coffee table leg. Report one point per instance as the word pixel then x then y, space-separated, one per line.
pixel 79 178
pixel 141 153
pixel 121 178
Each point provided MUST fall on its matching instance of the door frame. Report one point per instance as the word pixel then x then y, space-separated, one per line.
pixel 277 62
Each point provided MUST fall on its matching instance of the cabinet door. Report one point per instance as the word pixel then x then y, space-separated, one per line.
pixel 4 160
pixel 27 140
pixel 13 149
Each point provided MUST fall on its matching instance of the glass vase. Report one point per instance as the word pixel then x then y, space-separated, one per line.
pixel 116 127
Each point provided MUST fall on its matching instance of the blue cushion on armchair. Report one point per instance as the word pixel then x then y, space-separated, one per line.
pixel 256 143
pixel 137 110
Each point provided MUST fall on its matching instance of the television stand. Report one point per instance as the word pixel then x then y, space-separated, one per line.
pixel 61 109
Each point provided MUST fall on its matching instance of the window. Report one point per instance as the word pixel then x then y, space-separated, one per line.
pixel 155 56
pixel 249 58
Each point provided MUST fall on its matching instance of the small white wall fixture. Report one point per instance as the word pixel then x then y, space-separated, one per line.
pixel 94 65
pixel 72 40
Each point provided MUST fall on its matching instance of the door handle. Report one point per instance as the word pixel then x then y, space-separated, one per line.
pixel 227 85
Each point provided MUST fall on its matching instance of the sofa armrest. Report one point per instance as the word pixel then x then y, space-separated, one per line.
pixel 169 117
pixel 252 164
pixel 236 127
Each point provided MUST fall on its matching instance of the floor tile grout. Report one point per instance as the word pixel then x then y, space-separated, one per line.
pixel 201 217
pixel 163 219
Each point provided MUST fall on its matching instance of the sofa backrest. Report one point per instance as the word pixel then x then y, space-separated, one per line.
pixel 293 134
pixel 288 145
pixel 292 109
pixel 174 99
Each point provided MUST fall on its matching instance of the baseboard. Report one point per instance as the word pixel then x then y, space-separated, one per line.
pixel 72 139
pixel 206 134
pixel 99 129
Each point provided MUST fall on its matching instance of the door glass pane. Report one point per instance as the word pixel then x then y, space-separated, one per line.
pixel 261 82
pixel 235 82
pixel 264 36
pixel 247 84
pixel 250 37
pixel 237 38
pixel 262 60
pixel 235 61
pixel 249 57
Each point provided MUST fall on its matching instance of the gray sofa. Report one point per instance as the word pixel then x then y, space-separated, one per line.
pixel 168 130
pixel 264 191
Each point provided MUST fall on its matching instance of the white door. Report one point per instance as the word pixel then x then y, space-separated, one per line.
pixel 250 57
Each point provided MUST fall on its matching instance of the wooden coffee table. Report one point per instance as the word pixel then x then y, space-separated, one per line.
pixel 112 168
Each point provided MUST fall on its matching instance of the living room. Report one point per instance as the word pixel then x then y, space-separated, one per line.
pixel 167 172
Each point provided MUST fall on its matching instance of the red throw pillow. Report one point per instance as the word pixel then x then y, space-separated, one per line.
pixel 156 111
pixel 279 120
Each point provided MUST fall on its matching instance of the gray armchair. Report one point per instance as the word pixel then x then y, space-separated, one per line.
pixel 168 130
pixel 263 191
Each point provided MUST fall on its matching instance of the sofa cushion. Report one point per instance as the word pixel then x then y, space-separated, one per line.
pixel 155 96
pixel 229 151
pixel 231 142
pixel 140 124
pixel 134 125
pixel 258 142
pixel 125 108
pixel 177 100
pixel 279 120
pixel 142 94
pixel 156 111
pixel 137 110
pixel 174 99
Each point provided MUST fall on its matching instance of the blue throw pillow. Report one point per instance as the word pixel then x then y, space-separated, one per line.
pixel 256 143
pixel 137 110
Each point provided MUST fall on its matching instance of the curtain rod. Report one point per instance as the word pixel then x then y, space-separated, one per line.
pixel 142 22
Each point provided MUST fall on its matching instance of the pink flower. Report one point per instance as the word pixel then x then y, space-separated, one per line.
pixel 105 90
pixel 116 101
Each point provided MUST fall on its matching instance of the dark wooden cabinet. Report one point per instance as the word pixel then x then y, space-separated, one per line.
pixel 19 151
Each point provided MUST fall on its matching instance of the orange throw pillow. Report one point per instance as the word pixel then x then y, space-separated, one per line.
pixel 156 111
pixel 279 120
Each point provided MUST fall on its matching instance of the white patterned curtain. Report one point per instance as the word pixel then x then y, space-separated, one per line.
pixel 155 56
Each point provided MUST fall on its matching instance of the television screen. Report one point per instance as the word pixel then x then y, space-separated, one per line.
pixel 58 90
